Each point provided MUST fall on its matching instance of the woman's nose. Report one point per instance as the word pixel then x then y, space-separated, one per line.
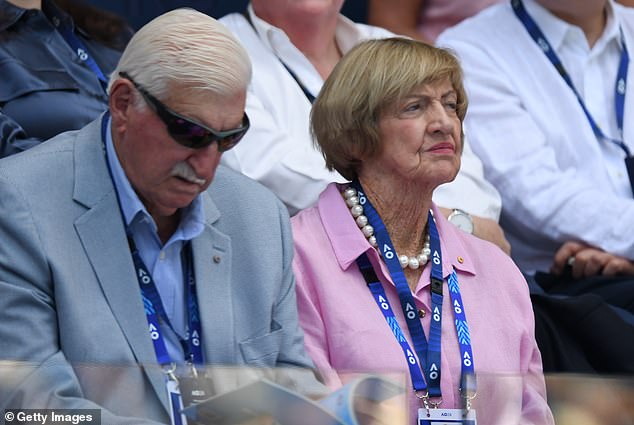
pixel 440 118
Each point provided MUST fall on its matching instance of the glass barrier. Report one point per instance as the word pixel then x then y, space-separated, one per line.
pixel 136 395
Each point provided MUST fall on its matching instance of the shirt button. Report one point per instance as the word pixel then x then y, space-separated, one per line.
pixel 421 313
pixel 162 255
pixel 56 21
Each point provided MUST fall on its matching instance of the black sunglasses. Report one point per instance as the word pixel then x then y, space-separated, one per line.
pixel 187 132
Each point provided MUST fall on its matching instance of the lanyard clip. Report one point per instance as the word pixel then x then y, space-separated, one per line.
pixel 424 397
pixel 192 367
pixel 435 403
pixel 468 389
pixel 436 285
pixel 169 372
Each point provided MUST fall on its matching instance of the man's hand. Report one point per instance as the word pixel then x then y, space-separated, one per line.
pixel 487 229
pixel 586 260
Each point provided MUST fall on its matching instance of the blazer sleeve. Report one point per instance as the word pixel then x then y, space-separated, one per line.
pixel 300 375
pixel 34 373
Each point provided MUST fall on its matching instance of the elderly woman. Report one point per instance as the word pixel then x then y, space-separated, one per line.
pixel 385 284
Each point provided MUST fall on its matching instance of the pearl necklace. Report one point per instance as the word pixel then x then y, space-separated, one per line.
pixel 356 209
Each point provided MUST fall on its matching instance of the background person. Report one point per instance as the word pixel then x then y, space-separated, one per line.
pixel 293 48
pixel 561 180
pixel 55 64
pixel 389 118
pixel 422 19
pixel 553 130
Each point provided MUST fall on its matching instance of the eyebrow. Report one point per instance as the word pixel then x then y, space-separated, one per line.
pixel 420 96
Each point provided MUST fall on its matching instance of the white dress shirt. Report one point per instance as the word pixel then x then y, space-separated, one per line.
pixel 558 181
pixel 278 150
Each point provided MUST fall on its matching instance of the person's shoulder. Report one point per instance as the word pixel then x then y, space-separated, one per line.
pixel 226 178
pixel 306 218
pixel 626 17
pixel 242 29
pixel 372 32
pixel 42 172
pixel 21 163
pixel 53 156
pixel 230 188
pixel 485 25
pixel 312 223
pixel 235 22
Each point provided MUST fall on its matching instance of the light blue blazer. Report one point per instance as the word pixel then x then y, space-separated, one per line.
pixel 73 333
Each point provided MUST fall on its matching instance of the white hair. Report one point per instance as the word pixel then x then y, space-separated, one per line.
pixel 187 49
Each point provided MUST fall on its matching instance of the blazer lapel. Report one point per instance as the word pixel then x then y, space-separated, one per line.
pixel 102 233
pixel 212 268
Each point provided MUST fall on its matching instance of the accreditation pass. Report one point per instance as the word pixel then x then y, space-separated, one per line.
pixel 446 417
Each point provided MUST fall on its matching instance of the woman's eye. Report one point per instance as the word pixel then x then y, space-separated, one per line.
pixel 453 106
pixel 412 107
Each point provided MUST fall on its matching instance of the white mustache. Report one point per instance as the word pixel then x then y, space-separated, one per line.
pixel 185 171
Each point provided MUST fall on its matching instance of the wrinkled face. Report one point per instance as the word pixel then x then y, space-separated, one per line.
pixel 421 137
pixel 166 175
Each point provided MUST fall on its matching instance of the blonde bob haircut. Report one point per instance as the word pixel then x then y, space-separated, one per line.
pixel 368 80
pixel 185 50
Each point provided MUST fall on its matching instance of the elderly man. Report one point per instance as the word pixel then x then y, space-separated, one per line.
pixel 99 223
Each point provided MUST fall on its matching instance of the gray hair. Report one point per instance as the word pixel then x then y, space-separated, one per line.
pixel 187 48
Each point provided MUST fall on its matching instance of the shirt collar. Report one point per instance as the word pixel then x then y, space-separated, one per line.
pixel 9 14
pixel 612 31
pixel 192 219
pixel 348 242
pixel 347 33
pixel 557 30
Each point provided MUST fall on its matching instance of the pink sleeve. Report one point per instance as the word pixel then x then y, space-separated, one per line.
pixel 311 320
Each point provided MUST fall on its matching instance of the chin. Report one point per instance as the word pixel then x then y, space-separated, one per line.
pixel 171 206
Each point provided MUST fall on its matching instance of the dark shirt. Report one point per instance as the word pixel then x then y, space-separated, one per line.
pixel 45 89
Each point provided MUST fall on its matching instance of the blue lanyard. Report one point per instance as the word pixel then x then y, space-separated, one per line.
pixel 66 31
pixel 418 381
pixel 621 79
pixel 429 354
pixel 155 312
pixel 152 303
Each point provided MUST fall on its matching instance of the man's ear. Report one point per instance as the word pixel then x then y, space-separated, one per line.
pixel 121 102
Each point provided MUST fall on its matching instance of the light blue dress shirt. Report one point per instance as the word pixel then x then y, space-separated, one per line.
pixel 164 262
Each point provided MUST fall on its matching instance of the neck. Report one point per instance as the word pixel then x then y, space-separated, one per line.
pixel 591 18
pixel 27 4
pixel 312 34
pixel 321 50
pixel 403 211
pixel 166 225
